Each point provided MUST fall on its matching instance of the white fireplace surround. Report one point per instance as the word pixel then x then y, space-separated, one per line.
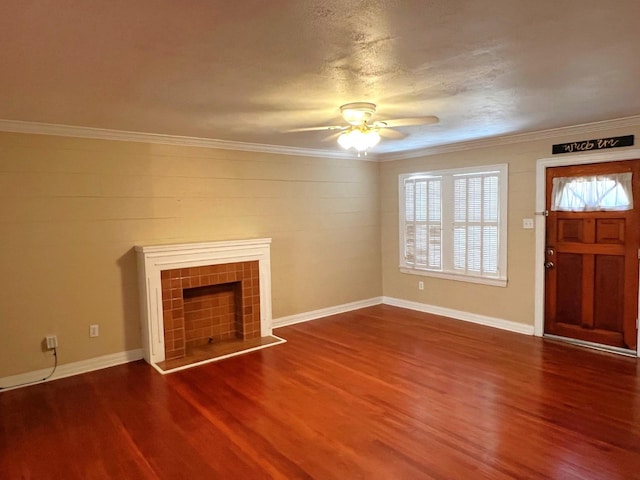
pixel 153 259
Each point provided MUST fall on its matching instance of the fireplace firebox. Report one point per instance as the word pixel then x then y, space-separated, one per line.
pixel 208 304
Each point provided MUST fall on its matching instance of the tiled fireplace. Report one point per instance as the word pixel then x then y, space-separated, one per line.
pixel 208 304
pixel 198 293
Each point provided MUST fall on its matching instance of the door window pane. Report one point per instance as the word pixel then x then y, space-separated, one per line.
pixel 591 193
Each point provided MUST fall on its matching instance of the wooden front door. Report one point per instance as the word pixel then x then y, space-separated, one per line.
pixel 591 288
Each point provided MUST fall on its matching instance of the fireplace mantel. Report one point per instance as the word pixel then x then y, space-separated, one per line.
pixel 153 259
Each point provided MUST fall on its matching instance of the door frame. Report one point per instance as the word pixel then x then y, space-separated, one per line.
pixel 540 220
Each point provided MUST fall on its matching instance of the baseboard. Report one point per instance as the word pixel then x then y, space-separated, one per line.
pixel 324 312
pixel 84 366
pixel 461 315
pixel 70 369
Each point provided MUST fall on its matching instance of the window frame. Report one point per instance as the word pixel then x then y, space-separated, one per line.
pixel 446 272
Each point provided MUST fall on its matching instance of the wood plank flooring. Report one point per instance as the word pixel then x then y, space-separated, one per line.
pixel 378 393
pixel 203 353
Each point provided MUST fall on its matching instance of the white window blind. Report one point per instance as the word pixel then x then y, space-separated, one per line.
pixel 423 227
pixel 453 224
pixel 475 224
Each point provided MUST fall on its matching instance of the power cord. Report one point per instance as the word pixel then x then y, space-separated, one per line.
pixel 55 365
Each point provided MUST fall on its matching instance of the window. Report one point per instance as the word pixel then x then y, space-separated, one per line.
pixel 597 192
pixel 453 224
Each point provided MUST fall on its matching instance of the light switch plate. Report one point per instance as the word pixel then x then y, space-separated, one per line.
pixel 94 330
pixel 527 223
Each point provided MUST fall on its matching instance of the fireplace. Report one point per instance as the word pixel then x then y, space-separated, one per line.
pixel 209 304
pixel 195 294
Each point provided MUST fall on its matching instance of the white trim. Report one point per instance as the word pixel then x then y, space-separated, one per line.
pixel 97 363
pixel 221 357
pixel 494 282
pixel 70 369
pixel 584 128
pixel 447 178
pixel 154 259
pixel 461 315
pixel 16 126
pixel 325 312
pixel 541 167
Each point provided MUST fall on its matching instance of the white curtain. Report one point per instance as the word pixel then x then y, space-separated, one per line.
pixel 590 193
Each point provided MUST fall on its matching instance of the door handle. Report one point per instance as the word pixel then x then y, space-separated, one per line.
pixel 549 265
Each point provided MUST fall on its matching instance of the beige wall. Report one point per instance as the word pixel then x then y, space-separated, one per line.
pixel 514 302
pixel 72 210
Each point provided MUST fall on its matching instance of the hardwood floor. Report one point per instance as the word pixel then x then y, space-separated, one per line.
pixel 379 393
pixel 203 353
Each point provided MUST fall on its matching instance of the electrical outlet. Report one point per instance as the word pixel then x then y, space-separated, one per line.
pixel 52 341
pixel 94 330
pixel 420 285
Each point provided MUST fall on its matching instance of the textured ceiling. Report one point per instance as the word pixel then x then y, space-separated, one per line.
pixel 248 70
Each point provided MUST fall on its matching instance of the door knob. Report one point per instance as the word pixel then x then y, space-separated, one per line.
pixel 549 265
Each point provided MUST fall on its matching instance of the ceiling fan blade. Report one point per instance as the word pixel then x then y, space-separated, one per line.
pixel 390 133
pixel 333 136
pixel 314 129
pixel 406 122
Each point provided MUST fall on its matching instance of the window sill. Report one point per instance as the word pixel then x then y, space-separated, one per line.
pixel 495 282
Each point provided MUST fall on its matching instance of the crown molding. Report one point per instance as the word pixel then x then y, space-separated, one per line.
pixel 584 128
pixel 18 126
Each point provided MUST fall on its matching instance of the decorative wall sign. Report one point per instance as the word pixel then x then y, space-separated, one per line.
pixel 596 144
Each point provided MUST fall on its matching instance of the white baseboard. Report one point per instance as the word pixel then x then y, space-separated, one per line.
pixel 70 369
pixel 420 307
pixel 84 366
pixel 460 315
pixel 325 312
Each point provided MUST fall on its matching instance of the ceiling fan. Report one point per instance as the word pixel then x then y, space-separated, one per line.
pixel 362 133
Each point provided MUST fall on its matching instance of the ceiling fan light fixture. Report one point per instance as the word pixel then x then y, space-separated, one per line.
pixel 362 133
pixel 345 140
pixel 357 113
pixel 360 138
